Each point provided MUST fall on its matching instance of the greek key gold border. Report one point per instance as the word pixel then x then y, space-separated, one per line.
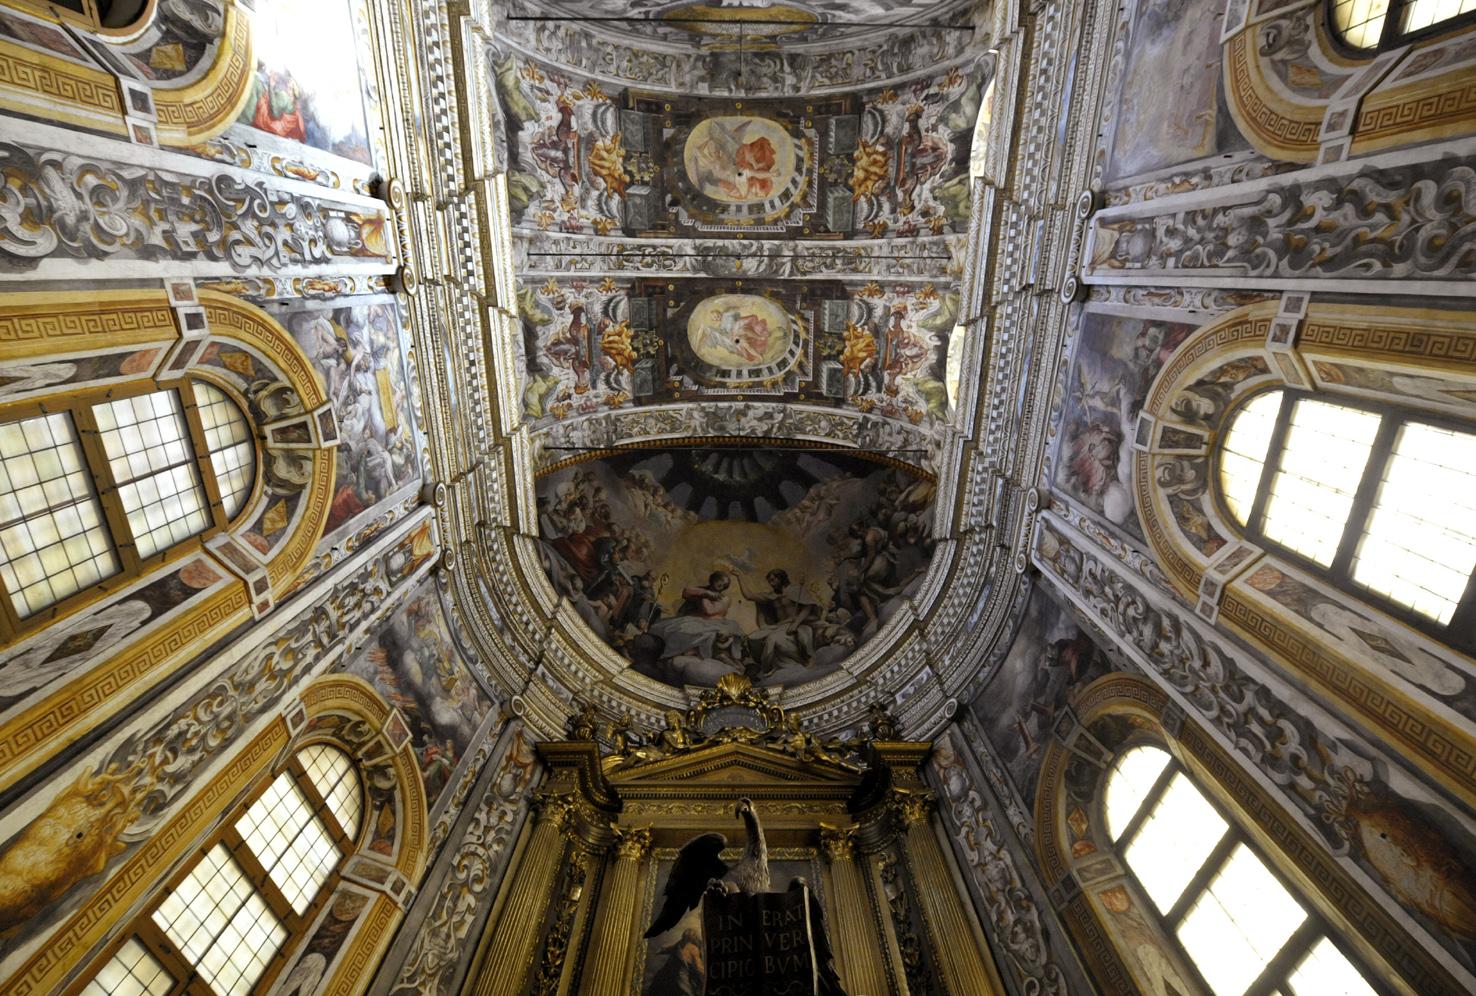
pixel 1442 106
pixel 1416 340
pixel 1224 776
pixel 33 325
pixel 86 96
pixel 199 112
pixel 1277 127
pixel 47 969
pixel 37 324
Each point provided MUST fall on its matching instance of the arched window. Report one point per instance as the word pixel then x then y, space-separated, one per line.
pixel 225 922
pixel 1373 24
pixel 1238 924
pixel 1383 504
pixel 111 14
pixel 96 490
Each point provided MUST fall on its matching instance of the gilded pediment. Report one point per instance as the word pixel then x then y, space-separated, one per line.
pixel 747 765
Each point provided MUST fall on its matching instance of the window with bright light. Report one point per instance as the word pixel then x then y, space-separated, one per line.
pixel 92 490
pixel 132 971
pixel 220 922
pixel 1414 550
pixel 1244 455
pixel 153 465
pixel 54 541
pixel 1372 24
pixel 1321 464
pixel 1241 929
pixel 228 441
pixel 230 918
pixel 1381 503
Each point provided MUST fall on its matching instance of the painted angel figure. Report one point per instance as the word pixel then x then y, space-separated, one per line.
pixel 731 331
pixel 727 160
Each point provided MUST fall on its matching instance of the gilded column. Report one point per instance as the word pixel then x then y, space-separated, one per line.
pixel 957 939
pixel 612 947
pixel 859 958
pixel 510 947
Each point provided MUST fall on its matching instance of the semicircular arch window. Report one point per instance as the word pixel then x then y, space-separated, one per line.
pixel 1373 24
pixel 228 440
pixel 229 920
pixel 98 488
pixel 1380 502
pixel 1238 924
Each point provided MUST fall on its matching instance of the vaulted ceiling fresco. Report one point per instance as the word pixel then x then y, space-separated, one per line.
pixel 699 562
pixel 756 23
pixel 701 274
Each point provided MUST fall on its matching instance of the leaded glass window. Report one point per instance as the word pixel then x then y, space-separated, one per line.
pixel 154 469
pixel 95 491
pixel 227 922
pixel 1381 502
pixel 1243 931
pixel 228 441
pixel 54 540
pixel 1371 24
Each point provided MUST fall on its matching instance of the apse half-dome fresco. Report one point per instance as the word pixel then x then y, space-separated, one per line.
pixel 773 563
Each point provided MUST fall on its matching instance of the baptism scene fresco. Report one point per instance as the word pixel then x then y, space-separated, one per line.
pixel 413 661
pixel 593 345
pixel 588 159
pixel 696 563
pixel 307 86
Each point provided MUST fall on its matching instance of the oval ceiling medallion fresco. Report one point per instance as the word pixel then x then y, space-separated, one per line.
pixel 744 161
pixel 746 22
pixel 740 332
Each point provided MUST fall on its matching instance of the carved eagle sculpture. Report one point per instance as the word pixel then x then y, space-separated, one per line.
pixel 700 864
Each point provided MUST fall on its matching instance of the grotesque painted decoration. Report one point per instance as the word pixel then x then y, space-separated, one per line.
pixel 596 346
pixel 585 160
pixel 698 563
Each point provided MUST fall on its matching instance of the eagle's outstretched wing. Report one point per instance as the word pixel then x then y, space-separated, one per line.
pixel 697 864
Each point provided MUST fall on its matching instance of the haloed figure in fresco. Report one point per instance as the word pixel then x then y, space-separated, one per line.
pixel 689 588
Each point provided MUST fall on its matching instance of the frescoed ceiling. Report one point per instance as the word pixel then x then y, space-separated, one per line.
pixel 756 23
pixel 759 290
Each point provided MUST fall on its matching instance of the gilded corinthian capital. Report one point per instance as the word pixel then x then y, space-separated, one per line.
pixel 912 806
pixel 633 843
pixel 838 843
